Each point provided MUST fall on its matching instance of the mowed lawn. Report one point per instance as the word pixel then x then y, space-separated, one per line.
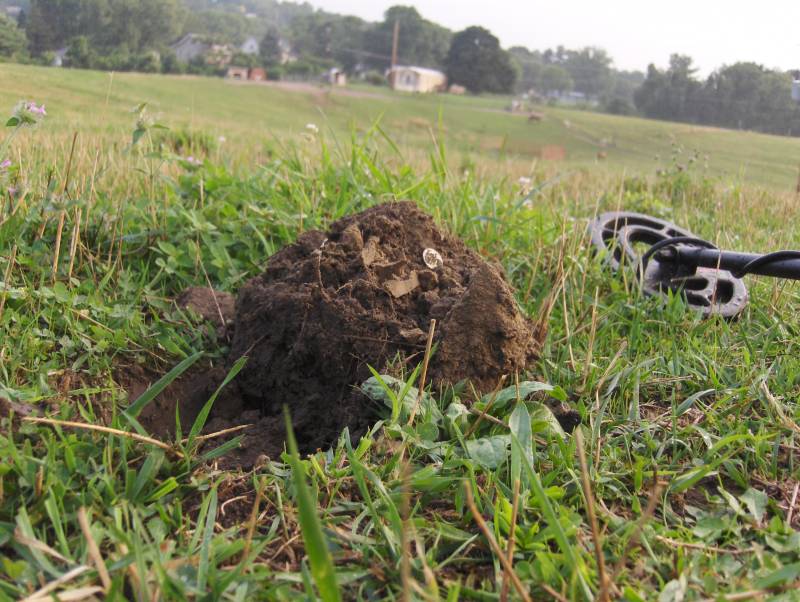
pixel 476 130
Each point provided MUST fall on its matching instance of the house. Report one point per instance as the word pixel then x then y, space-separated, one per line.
pixel 193 46
pixel 287 53
pixel 254 74
pixel 241 73
pixel 189 47
pixel 257 74
pixel 796 86
pixel 250 46
pixel 336 77
pixel 12 11
pixel 417 79
pixel 58 57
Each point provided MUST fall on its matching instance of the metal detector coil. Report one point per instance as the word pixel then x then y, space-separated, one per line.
pixel 656 249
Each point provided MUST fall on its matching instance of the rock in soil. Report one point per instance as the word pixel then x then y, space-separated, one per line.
pixel 361 294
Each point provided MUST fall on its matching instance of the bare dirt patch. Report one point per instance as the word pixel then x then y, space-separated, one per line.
pixel 333 303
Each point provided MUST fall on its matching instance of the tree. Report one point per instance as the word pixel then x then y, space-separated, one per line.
pixel 477 62
pixel 742 95
pixel 555 80
pixel 270 48
pixel 671 94
pixel 53 23
pixel 530 65
pixel 219 25
pixel 621 92
pixel 12 39
pixel 170 62
pixel 590 69
pixel 335 38
pixel 148 62
pixel 422 42
pixel 142 24
pixel 79 54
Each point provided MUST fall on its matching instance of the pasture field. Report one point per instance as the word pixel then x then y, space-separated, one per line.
pixel 685 486
pixel 477 132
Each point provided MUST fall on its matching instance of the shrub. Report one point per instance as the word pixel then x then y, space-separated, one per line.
pixel 275 73
pixel 376 78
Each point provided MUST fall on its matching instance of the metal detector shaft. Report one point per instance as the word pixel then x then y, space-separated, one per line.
pixel 731 261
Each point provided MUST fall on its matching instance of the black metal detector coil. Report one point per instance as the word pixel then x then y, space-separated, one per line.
pixel 656 248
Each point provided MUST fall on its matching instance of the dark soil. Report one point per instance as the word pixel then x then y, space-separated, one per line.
pixel 215 307
pixel 361 294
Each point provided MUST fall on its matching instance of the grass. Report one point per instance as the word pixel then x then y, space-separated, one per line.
pixel 480 135
pixel 690 428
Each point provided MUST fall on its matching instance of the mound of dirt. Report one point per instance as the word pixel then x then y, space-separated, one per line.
pixel 362 294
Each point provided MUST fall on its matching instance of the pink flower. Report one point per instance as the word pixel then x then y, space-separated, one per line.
pixel 38 110
pixel 4 165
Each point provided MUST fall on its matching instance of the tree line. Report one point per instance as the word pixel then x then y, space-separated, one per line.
pixel 742 96
pixel 138 34
pixel 588 72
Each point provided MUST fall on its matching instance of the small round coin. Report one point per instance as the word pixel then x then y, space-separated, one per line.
pixel 432 258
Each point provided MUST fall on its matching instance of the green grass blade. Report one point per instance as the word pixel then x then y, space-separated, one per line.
pixel 520 424
pixel 205 546
pixel 202 417
pixel 316 545
pixel 162 383
pixel 552 519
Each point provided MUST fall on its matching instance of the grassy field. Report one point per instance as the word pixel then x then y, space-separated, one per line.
pixel 689 427
pixel 478 132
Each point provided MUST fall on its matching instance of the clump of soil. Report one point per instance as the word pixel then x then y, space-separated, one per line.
pixel 334 303
pixel 213 306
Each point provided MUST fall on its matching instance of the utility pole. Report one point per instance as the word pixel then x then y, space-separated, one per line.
pixel 395 41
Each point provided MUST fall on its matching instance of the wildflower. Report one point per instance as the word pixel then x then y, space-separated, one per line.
pixel 312 127
pixel 26 113
pixel 191 160
pixel 4 165
pixel 36 110
pixel 222 139
pixel 12 191
pixel 524 182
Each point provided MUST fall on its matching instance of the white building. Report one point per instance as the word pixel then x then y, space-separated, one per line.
pixel 336 77
pixel 250 46
pixel 59 56
pixel 417 79
pixel 796 88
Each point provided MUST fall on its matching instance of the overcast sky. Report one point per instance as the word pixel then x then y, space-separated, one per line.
pixel 634 32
